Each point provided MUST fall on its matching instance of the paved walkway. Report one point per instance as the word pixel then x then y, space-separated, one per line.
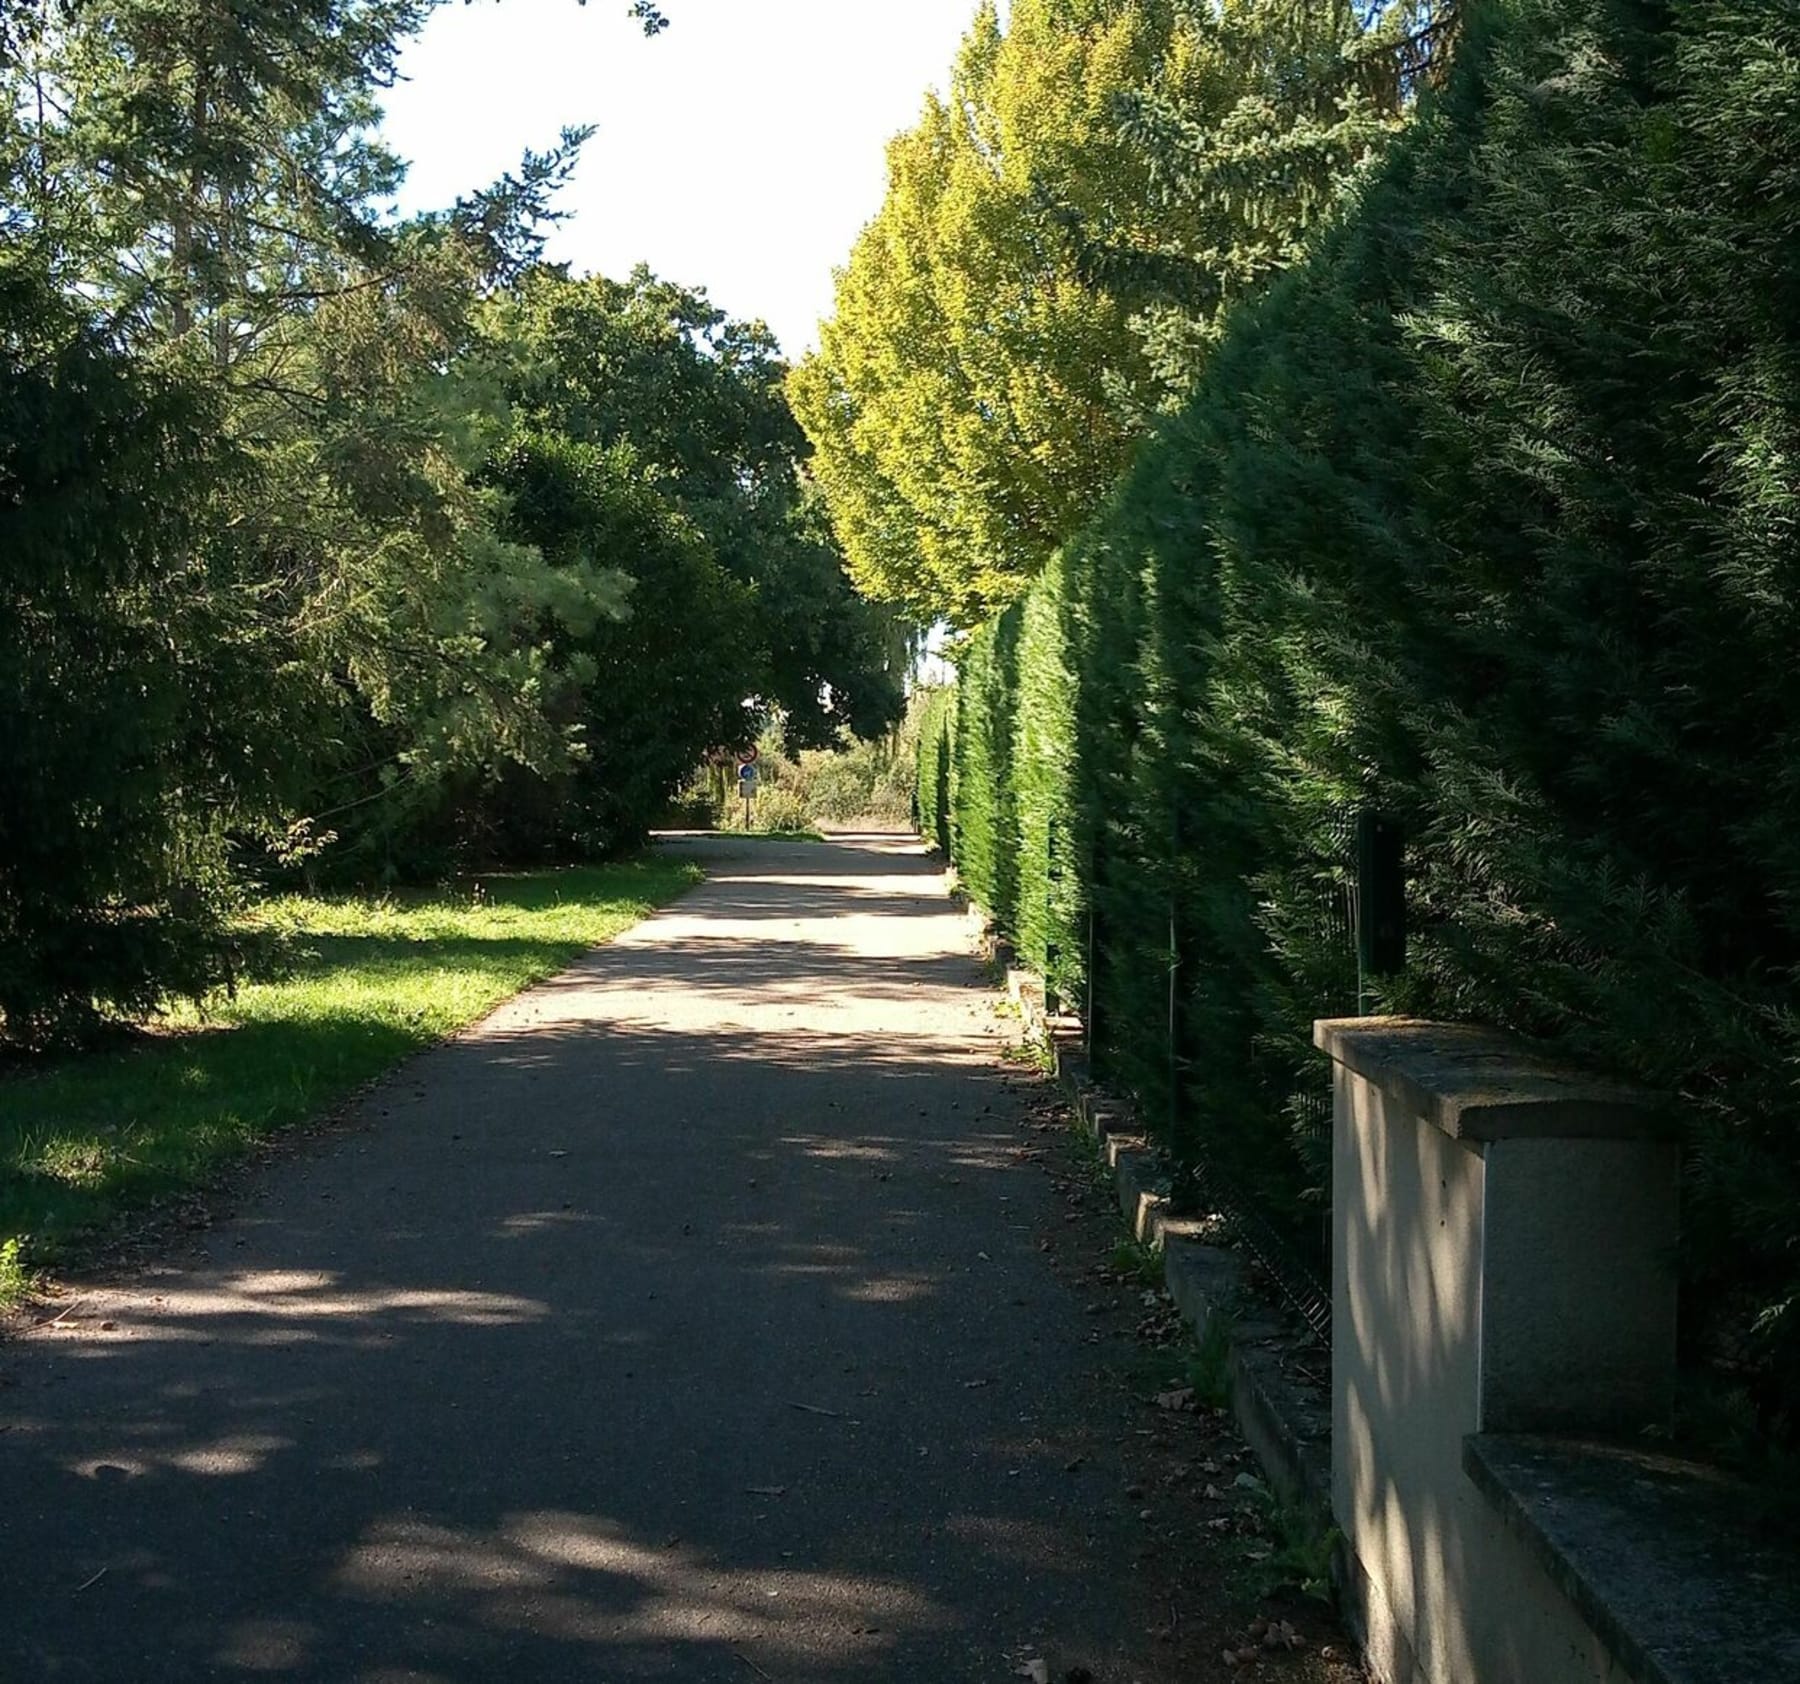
pixel 686 1320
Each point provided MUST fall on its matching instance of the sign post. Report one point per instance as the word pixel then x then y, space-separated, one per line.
pixel 747 776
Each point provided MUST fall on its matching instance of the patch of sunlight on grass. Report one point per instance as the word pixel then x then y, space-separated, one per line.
pixel 344 987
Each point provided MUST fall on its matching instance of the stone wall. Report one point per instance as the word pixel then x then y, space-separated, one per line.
pixel 1504 1235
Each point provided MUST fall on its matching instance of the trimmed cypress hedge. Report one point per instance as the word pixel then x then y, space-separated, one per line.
pixel 984 829
pixel 1488 516
pixel 935 754
pixel 1041 764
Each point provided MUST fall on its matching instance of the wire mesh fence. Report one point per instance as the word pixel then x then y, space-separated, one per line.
pixel 1292 1250
pixel 1280 1220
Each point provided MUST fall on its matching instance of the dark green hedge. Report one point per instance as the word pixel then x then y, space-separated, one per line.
pixel 1049 921
pixel 1488 517
pixel 984 823
pixel 935 752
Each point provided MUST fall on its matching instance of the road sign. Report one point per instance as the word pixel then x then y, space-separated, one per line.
pixel 748 756
pixel 747 773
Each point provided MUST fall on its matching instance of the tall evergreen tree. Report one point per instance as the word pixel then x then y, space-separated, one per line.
pixel 118 684
pixel 204 175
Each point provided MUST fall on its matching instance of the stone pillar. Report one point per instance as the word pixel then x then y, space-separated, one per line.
pixel 1504 1232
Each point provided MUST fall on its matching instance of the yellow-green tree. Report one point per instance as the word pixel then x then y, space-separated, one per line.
pixel 1060 237
pixel 960 403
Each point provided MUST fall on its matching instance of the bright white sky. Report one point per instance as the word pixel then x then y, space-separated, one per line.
pixel 741 150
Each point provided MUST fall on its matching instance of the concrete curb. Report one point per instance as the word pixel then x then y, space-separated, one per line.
pixel 1289 1431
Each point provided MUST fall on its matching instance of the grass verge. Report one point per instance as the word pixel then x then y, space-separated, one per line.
pixel 345 988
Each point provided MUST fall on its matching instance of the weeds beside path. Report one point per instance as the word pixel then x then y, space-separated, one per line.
pixel 346 988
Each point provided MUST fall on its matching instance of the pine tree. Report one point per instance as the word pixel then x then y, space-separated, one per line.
pixel 119 758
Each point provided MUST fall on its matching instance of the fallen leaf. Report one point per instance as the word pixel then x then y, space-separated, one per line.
pixel 1281 1635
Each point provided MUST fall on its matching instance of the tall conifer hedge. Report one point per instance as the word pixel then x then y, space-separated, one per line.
pixel 1488 516
pixel 984 831
pixel 935 753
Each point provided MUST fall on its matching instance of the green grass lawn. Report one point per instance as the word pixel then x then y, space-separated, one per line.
pixel 348 986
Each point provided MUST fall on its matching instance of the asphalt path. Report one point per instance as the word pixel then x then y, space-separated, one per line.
pixel 687 1319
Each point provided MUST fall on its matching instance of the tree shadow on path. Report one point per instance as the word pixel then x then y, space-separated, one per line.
pixel 646 1332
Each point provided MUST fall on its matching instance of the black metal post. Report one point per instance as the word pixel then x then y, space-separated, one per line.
pixel 1380 897
pixel 1092 1023
pixel 1178 1143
